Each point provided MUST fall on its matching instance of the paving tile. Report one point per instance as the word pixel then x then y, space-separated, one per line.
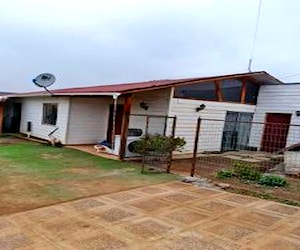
pixel 194 241
pixel 123 196
pixel 5 224
pixel 66 228
pixel 166 216
pixel 258 218
pixel 43 246
pixel 101 241
pixel 148 229
pixel 239 199
pixel 42 215
pixel 85 204
pixel 115 214
pixel 282 209
pixel 179 197
pixel 296 231
pixel 152 190
pixel 184 216
pixel 204 192
pixel 150 205
pixel 14 241
pixel 176 185
pixel 279 244
pixel 214 206
pixel 231 231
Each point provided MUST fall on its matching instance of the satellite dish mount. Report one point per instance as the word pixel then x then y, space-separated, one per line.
pixel 44 81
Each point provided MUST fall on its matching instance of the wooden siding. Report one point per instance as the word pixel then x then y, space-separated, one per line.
pixel 158 102
pixel 283 99
pixel 32 111
pixel 211 132
pixel 88 120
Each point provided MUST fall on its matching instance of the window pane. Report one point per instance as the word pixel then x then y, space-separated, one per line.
pixel 202 91
pixel 251 92
pixel 232 89
pixel 49 113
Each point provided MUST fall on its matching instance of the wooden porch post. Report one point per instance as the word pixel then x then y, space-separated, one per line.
pixel 1 116
pixel 125 124
pixel 243 94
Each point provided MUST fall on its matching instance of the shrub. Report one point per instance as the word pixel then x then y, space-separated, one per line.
pixel 273 181
pixel 245 171
pixel 158 144
pixel 224 173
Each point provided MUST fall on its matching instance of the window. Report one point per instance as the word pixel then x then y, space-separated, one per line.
pixel 251 92
pixel 232 90
pixel 202 91
pixel 49 113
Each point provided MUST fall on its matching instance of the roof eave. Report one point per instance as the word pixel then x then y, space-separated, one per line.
pixel 250 74
pixel 67 94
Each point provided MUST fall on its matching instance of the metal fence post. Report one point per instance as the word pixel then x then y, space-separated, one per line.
pixel 172 135
pixel 194 161
pixel 147 125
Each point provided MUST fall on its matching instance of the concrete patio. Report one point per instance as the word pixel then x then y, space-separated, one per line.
pixel 174 215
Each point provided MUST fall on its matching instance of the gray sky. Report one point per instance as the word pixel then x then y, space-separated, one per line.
pixel 93 42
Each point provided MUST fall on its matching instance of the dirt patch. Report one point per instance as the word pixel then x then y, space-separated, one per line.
pixel 52 156
pixel 84 170
pixel 23 193
pixel 4 141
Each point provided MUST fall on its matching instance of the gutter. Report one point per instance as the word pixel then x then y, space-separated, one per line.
pixel 67 94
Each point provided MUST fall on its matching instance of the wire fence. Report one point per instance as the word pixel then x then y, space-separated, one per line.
pixel 154 125
pixel 270 147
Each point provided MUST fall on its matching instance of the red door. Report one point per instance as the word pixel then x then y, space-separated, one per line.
pixel 275 132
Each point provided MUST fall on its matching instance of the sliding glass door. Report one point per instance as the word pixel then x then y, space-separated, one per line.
pixel 236 130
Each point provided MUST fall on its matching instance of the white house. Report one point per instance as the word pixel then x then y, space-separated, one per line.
pixel 88 115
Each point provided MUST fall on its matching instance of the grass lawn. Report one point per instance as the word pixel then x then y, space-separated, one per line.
pixel 34 175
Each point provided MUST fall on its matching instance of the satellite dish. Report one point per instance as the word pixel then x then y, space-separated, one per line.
pixel 44 80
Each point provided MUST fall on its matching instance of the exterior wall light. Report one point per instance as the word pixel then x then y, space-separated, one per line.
pixel 144 106
pixel 201 107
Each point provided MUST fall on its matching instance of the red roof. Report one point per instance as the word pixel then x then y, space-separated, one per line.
pixel 123 87
pixel 261 76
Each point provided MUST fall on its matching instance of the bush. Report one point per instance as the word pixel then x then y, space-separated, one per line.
pixel 224 173
pixel 246 172
pixel 273 181
pixel 158 144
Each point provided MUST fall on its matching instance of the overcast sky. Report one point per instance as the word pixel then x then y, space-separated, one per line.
pixel 93 42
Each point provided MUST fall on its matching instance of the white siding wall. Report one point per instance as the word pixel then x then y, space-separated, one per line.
pixel 88 120
pixel 283 99
pixel 211 131
pixel 158 102
pixel 32 111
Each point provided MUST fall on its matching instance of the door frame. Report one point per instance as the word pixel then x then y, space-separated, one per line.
pixel 119 120
pixel 236 124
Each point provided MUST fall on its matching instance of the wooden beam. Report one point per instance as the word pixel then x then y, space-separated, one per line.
pixel 1 116
pixel 243 93
pixel 219 94
pixel 252 80
pixel 125 124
